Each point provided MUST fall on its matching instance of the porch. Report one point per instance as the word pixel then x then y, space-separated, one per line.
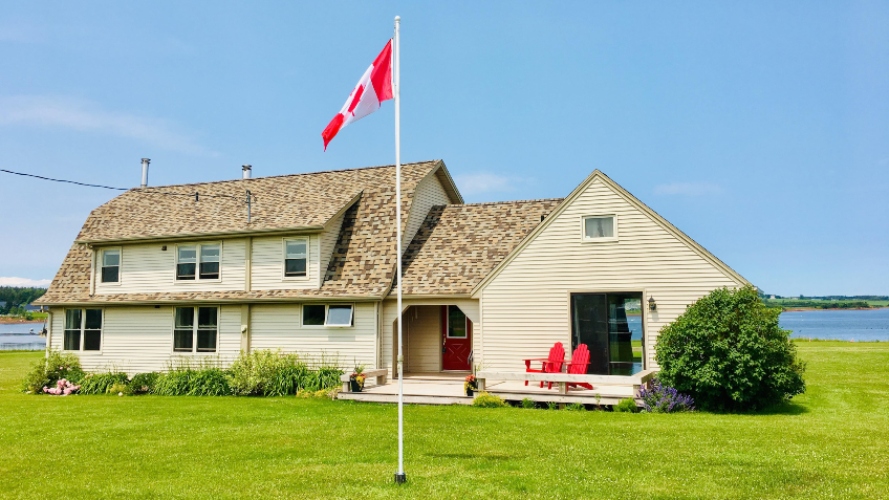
pixel 447 389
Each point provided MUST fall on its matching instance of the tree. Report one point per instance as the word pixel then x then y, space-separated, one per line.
pixel 728 352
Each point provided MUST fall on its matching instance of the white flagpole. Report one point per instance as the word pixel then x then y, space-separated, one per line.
pixel 400 476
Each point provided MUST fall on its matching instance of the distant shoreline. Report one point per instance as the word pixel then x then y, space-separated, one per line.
pixel 17 321
pixel 801 309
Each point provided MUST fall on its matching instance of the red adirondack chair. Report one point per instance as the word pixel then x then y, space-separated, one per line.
pixel 580 360
pixel 551 364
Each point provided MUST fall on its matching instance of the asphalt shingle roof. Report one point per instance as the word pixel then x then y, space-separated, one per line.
pixel 364 257
pixel 458 245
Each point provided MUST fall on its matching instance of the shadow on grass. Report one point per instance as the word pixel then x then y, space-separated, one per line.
pixel 785 408
pixel 473 456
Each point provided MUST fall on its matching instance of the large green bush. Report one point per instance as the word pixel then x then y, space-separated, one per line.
pixel 728 352
pixel 268 373
pixel 46 372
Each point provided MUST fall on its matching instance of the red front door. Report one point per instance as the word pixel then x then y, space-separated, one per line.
pixel 456 335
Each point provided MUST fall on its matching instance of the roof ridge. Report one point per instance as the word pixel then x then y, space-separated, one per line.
pixel 280 176
pixel 482 203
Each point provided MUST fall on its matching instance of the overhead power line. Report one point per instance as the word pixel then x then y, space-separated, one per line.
pixel 196 195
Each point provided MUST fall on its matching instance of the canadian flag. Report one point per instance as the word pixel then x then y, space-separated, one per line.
pixel 374 87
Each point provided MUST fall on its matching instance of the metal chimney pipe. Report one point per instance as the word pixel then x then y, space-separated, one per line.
pixel 145 162
pixel 246 170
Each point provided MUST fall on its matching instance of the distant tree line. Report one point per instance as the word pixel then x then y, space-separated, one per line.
pixel 16 298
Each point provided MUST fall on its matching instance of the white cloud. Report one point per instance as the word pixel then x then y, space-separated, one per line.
pixel 87 117
pixel 25 282
pixel 482 182
pixel 688 189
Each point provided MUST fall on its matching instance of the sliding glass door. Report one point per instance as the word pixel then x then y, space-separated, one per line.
pixel 610 324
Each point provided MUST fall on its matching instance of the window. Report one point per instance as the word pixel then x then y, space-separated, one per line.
pixel 327 315
pixel 456 323
pixel 188 333
pixel 83 330
pixel 295 257
pixel 111 266
pixel 198 262
pixel 599 228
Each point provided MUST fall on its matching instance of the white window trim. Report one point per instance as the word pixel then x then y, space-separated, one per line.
pixel 102 265
pixel 197 269
pixel 284 241
pixel 583 236
pixel 194 333
pixel 448 323
pixel 302 317
pixel 82 325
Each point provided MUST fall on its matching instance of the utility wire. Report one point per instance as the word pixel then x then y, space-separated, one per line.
pixel 196 195
pixel 62 180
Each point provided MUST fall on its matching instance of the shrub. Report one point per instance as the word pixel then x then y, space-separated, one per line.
pixel 659 398
pixel 529 403
pixel 187 381
pixel 267 373
pixel 485 400
pixel 627 405
pixel 47 372
pixel 728 352
pixel 120 389
pixel 575 407
pixel 143 383
pixel 101 383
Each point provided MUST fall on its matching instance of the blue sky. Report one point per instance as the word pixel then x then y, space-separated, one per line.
pixel 759 129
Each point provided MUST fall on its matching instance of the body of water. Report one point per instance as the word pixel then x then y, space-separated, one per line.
pixel 838 324
pixel 15 336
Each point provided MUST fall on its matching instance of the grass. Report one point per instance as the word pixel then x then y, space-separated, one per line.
pixel 832 442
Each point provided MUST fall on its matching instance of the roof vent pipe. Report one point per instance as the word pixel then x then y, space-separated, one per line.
pixel 246 169
pixel 145 162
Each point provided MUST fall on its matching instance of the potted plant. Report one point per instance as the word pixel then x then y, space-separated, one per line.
pixel 470 385
pixel 356 379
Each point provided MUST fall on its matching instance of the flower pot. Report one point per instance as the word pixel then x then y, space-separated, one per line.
pixel 470 391
pixel 354 386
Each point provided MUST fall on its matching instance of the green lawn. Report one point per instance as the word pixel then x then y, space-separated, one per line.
pixel 832 442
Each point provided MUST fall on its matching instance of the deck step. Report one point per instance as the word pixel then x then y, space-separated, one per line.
pixel 369 397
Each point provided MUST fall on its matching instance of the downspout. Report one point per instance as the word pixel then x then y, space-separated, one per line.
pixel 92 270
pixel 48 333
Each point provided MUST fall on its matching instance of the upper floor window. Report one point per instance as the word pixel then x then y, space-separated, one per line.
pixel 296 254
pixel 195 336
pixel 600 228
pixel 110 266
pixel 198 261
pixel 83 330
pixel 327 315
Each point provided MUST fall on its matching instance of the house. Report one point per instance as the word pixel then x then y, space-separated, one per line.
pixel 164 275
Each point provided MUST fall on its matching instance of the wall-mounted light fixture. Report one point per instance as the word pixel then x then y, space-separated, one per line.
pixel 652 305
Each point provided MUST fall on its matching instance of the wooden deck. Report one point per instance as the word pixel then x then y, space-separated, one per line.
pixel 447 389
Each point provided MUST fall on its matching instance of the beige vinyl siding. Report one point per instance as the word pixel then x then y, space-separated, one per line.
pixel 526 306
pixel 389 334
pixel 146 267
pixel 429 193
pixel 279 326
pixel 422 334
pixel 139 339
pixel 268 264
pixel 328 242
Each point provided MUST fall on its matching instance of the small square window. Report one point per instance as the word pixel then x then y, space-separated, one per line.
pixel 599 227
pixel 313 315
pixel 339 315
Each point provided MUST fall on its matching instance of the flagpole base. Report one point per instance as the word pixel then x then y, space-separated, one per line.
pixel 400 478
